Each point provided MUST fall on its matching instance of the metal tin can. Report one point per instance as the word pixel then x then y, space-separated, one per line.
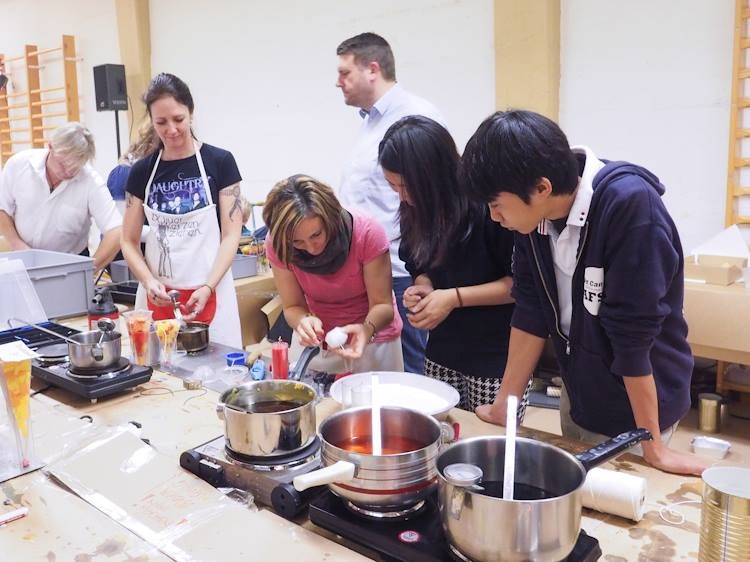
pixel 725 515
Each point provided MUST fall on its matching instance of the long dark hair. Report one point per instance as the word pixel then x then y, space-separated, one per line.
pixel 441 216
pixel 165 84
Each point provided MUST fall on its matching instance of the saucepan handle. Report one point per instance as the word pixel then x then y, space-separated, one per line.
pixel 340 471
pixel 609 449
pixel 304 360
pixel 448 433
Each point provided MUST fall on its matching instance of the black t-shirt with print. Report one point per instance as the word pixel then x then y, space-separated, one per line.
pixel 177 187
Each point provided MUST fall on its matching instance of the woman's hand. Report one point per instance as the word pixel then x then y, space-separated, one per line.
pixel 414 294
pixel 432 309
pixel 156 293
pixel 197 302
pixel 310 331
pixel 359 336
pixel 492 413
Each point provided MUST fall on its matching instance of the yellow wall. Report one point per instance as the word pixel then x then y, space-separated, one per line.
pixel 134 31
pixel 527 55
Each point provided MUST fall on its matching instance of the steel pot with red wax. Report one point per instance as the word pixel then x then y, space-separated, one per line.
pixel 379 485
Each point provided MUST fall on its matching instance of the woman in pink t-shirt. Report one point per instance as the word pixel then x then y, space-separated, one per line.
pixel 332 269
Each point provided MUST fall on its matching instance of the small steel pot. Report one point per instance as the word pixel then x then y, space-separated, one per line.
pixel 400 478
pixel 484 527
pixel 88 353
pixel 193 337
pixel 268 418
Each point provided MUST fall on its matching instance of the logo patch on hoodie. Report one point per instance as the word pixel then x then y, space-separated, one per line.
pixel 593 289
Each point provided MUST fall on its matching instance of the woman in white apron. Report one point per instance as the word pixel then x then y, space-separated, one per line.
pixel 187 248
pixel 332 269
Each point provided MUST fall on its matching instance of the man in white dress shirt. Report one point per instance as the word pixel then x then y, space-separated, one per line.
pixel 48 197
pixel 367 78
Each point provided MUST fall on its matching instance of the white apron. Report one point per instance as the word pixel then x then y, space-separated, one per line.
pixel 180 252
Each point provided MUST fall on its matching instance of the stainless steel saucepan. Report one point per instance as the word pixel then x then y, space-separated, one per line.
pixel 268 418
pixel 394 481
pixel 97 349
pixel 543 522
pixel 193 337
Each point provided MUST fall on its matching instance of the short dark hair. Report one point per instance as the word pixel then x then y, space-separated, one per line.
pixel 367 48
pixel 424 154
pixel 511 150
pixel 165 84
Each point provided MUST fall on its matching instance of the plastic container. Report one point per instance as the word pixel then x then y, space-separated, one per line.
pixel 710 446
pixel 244 266
pixel 64 282
pixel 235 358
pixel 18 299
pixel 124 293
pixel 119 272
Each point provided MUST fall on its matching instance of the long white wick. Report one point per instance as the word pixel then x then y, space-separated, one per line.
pixel 510 448
pixel 377 437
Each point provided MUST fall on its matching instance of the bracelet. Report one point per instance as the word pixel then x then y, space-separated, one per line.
pixel 460 300
pixel 210 288
pixel 374 328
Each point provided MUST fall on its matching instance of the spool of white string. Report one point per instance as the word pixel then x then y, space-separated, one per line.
pixel 613 492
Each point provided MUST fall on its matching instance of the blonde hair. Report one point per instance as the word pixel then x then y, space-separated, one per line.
pixel 75 140
pixel 296 198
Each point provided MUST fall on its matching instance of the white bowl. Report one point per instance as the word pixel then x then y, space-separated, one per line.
pixel 417 392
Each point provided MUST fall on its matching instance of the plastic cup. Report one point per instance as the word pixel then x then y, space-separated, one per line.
pixel 166 331
pixel 361 395
pixel 16 381
pixel 139 325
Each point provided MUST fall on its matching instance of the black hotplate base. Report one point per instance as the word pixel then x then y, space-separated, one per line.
pixel 420 539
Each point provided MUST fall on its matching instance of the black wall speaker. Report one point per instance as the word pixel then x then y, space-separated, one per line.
pixel 109 85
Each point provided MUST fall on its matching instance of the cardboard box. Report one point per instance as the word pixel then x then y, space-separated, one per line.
pixel 253 293
pixel 717 319
pixel 715 270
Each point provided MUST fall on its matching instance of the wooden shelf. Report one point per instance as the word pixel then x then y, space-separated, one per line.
pixel 37 117
pixel 736 387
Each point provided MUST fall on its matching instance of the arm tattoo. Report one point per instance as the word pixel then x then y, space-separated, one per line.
pixel 236 204
pixel 128 200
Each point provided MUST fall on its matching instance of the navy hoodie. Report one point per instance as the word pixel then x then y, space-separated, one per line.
pixel 627 295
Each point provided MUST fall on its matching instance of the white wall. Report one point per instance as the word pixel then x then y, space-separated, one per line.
pixel 640 80
pixel 43 23
pixel 262 73
pixel 650 82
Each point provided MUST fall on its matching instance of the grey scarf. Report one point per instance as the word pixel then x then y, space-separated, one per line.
pixel 335 253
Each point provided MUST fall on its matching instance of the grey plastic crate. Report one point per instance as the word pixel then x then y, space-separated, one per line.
pixel 119 272
pixel 244 266
pixel 64 282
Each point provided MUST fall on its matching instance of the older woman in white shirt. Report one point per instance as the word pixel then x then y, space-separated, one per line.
pixel 48 197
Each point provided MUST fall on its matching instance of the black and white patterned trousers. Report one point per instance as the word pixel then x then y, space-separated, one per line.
pixel 474 391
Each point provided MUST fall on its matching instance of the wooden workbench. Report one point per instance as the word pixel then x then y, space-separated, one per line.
pixel 61 526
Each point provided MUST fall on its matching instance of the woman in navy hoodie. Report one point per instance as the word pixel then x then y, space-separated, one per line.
pixel 598 267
